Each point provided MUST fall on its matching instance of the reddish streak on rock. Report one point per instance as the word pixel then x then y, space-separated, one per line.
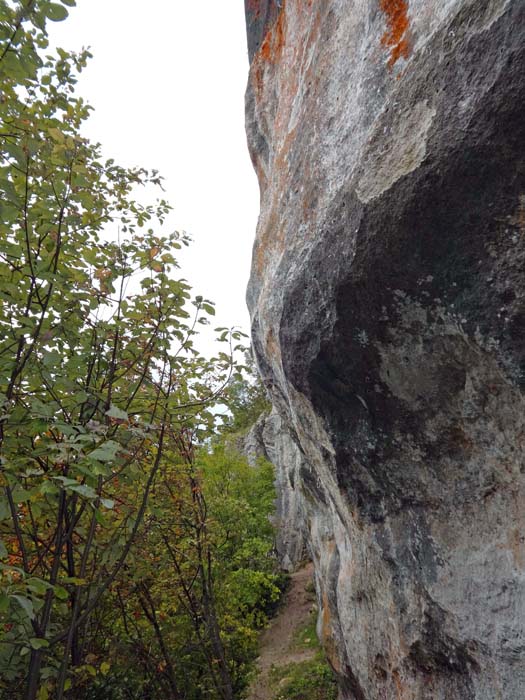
pixel 396 12
pixel 274 39
pixel 254 6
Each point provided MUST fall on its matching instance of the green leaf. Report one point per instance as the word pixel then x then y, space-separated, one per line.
pixel 115 412
pixel 66 482
pixel 74 580
pixel 4 602
pixel 61 593
pixel 56 12
pixel 40 408
pixel 20 495
pixel 100 469
pixel 106 452
pixel 5 512
pixel 25 604
pixel 38 586
pixel 48 487
pixel 84 490
pixel 99 517
pixel 38 643
pixel 52 358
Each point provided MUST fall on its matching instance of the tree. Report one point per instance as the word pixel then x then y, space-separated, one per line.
pixel 200 584
pixel 97 361
pixel 245 397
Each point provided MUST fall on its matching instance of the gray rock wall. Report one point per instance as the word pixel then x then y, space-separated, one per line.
pixel 269 438
pixel 388 316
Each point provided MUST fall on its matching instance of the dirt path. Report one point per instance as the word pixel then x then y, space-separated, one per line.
pixel 277 648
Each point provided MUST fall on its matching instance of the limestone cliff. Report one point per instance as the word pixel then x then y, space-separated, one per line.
pixel 269 438
pixel 387 298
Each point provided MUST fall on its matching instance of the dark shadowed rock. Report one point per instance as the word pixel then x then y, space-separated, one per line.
pixel 388 306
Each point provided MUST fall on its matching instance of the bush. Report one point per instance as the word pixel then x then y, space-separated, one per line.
pixel 309 680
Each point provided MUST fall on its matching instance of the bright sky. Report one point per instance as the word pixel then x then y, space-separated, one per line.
pixel 167 82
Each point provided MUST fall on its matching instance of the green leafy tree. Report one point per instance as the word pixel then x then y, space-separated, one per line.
pixel 245 397
pixel 97 362
pixel 199 587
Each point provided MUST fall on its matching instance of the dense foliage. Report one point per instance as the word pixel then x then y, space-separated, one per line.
pixel 199 586
pixel 309 680
pixel 133 563
pixel 246 398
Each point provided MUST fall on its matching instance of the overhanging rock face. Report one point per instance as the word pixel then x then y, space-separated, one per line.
pixel 388 305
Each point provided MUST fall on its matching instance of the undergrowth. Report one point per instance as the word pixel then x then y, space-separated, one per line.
pixel 312 679
pixel 308 680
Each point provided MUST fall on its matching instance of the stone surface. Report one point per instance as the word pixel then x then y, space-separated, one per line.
pixel 269 438
pixel 260 15
pixel 388 316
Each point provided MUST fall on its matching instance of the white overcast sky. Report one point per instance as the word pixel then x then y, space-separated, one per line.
pixel 167 82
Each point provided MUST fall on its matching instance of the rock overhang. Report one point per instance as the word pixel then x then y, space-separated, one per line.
pixel 387 301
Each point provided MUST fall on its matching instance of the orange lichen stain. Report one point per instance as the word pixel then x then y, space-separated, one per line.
pixel 401 690
pixel 274 40
pixel 516 545
pixel 395 38
pixel 269 51
pixel 270 242
pixel 272 347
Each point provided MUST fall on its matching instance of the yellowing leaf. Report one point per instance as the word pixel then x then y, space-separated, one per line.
pixel 56 134
pixel 104 668
pixel 43 693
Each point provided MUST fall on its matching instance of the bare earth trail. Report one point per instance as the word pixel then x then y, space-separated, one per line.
pixel 277 642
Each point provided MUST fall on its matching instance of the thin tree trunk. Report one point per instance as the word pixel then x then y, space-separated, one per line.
pixel 149 610
pixel 35 665
pixel 215 634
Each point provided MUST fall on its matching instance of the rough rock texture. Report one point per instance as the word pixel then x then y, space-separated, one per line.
pixel 260 16
pixel 269 438
pixel 388 305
